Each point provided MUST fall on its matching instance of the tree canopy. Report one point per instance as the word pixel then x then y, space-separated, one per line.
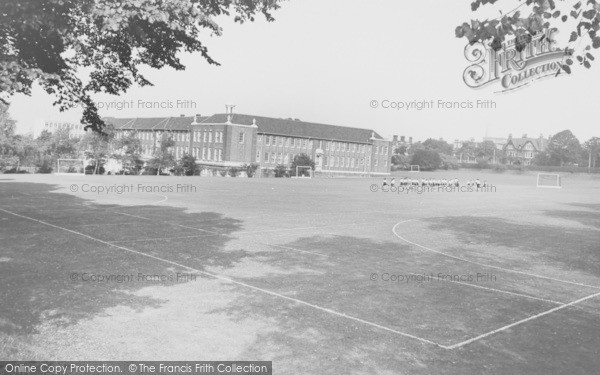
pixel 49 41
pixel 535 16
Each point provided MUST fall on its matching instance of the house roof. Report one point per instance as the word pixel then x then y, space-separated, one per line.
pixel 540 144
pixel 153 123
pixel 297 128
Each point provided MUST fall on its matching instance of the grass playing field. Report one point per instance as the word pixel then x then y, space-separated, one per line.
pixel 320 276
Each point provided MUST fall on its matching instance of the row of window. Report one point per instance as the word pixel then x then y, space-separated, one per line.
pixel 208 136
pixel 145 135
pixel 273 140
pixel 208 154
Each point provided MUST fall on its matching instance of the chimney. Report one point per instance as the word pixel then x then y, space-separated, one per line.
pixel 524 135
pixel 182 115
pixel 395 138
pixel 510 136
pixel 410 140
pixel 402 139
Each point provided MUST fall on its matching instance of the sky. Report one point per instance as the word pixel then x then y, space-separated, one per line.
pixel 329 61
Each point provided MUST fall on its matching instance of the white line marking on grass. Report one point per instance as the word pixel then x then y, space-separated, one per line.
pixel 483 264
pixel 237 233
pixel 130 215
pixel 563 306
pixel 229 280
pixel 294 249
pixel 498 290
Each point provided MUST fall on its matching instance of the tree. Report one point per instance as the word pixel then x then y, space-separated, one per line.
pixel 485 150
pixel 280 170
pixel 400 150
pixel 592 148
pixel 541 159
pixel 8 139
pixel 186 166
pixel 302 160
pixel 438 145
pixel 427 160
pixel 54 146
pixel 163 157
pixel 49 41
pixel 400 161
pixel 96 146
pixel 538 15
pixel 564 148
pixel 250 169
pixel 128 150
pixel 467 151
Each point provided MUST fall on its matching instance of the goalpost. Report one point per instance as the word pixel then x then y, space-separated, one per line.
pixel 70 166
pixel 304 171
pixel 549 180
pixel 415 168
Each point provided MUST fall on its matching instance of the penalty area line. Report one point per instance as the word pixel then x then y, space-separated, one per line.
pixel 482 336
pixel 483 264
pixel 239 283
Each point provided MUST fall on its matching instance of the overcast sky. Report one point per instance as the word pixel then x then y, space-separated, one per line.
pixel 326 60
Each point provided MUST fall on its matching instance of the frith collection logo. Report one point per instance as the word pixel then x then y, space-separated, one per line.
pixel 511 68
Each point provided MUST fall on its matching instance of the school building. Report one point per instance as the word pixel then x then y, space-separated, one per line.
pixel 230 140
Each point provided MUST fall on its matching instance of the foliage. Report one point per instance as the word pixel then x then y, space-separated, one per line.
pixel 49 41
pixel 592 151
pixel 427 160
pixel 564 148
pixel 96 146
pixel 449 162
pixel 280 170
pixel 482 163
pixel 485 150
pixel 540 15
pixel 401 161
pixel 163 156
pixel 400 150
pixel 186 166
pixel 234 171
pixel 250 169
pixel 128 150
pixel 438 145
pixel 302 160
pixel 541 159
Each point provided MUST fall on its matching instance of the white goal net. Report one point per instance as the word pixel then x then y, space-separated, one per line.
pixel 70 166
pixel 415 168
pixel 304 171
pixel 548 180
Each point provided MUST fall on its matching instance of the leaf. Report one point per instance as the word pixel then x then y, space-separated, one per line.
pixel 587 64
pixel 573 37
pixel 566 69
pixel 590 56
pixel 569 62
pixel 596 42
pixel 589 14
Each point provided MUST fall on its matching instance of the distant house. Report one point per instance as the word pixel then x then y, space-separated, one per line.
pixel 521 151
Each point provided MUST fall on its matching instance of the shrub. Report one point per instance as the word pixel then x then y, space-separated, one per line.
pixel 15 171
pixel 482 164
pixel 500 168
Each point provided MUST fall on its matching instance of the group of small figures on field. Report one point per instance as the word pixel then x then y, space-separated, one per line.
pixel 405 181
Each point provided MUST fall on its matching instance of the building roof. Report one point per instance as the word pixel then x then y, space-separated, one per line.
pixel 540 144
pixel 153 123
pixel 297 128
